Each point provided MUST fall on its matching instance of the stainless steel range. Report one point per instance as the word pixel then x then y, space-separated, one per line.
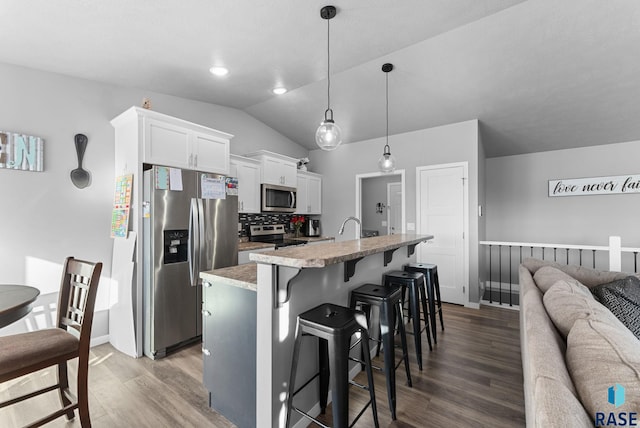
pixel 272 234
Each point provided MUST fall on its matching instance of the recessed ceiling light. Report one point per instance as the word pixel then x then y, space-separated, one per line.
pixel 279 91
pixel 219 71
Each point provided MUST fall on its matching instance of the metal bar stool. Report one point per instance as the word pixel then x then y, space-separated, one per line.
pixel 389 302
pixel 430 272
pixel 414 283
pixel 333 325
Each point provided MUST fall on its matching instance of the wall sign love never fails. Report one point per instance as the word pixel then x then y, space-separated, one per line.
pixel 595 186
pixel 22 152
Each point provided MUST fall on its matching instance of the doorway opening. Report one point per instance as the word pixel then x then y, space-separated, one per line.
pixel 378 211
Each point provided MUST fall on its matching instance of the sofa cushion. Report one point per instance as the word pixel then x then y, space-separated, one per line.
pixel 568 301
pixel 546 276
pixel 587 276
pixel 545 347
pixel 622 298
pixel 600 354
pixel 557 406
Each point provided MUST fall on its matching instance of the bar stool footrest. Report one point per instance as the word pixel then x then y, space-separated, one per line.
pixel 308 416
pixel 356 360
pixel 359 385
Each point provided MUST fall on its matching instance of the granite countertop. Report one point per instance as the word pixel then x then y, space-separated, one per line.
pixel 312 238
pixel 243 276
pixel 250 246
pixel 321 255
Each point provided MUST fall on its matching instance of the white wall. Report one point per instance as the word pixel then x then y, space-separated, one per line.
pixel 519 209
pixel 44 217
pixel 444 144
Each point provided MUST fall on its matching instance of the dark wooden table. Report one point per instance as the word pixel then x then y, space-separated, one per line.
pixel 15 302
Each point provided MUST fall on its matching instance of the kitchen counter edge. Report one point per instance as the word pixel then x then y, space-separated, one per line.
pixel 321 255
pixel 243 276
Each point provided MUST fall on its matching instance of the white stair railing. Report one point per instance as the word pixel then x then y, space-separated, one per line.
pixel 500 267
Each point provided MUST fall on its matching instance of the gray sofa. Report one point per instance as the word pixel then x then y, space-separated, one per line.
pixel 573 348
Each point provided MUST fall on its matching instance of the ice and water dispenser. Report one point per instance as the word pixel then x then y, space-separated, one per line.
pixel 175 246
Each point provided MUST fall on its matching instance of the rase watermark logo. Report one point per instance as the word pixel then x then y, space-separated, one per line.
pixel 615 397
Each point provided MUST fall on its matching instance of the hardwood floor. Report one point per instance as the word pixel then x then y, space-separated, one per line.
pixel 473 377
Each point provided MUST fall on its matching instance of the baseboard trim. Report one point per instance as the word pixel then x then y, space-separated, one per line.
pixel 95 341
pixel 472 305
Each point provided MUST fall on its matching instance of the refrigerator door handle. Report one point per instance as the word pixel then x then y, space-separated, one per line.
pixel 194 242
pixel 201 241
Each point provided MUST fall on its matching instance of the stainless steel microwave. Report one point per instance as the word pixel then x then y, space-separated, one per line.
pixel 279 199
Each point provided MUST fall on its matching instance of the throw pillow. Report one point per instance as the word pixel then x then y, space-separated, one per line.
pixel 546 276
pixel 601 354
pixel 545 348
pixel 587 276
pixel 622 297
pixel 568 301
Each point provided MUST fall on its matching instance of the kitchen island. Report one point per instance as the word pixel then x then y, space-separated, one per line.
pixel 287 282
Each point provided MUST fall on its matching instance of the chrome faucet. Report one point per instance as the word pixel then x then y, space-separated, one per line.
pixel 341 231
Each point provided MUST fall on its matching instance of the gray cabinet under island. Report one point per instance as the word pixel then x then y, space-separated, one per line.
pixel 250 316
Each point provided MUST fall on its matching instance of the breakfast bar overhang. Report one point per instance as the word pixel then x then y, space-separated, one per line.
pixel 291 281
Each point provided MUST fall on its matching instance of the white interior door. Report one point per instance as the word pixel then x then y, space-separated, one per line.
pixel 441 204
pixel 394 208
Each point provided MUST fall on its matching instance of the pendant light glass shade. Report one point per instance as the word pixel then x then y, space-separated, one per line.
pixel 387 163
pixel 328 134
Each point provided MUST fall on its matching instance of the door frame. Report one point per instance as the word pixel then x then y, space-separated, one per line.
pixel 358 209
pixel 465 215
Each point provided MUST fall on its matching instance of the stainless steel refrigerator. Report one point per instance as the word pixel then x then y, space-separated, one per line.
pixel 184 233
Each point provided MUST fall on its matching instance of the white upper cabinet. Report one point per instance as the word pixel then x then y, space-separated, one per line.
pixel 177 143
pixel 210 153
pixel 309 193
pixel 276 169
pixel 314 194
pixel 248 173
pixel 166 144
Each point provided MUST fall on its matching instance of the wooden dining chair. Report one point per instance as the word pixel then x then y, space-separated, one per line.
pixel 24 353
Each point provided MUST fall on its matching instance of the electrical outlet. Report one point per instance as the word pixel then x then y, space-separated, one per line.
pixel 384 223
pixel 411 226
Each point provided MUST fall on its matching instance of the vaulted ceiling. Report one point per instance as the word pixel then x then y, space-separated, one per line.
pixel 539 74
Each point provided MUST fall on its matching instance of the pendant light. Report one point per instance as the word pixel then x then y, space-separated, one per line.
pixel 387 162
pixel 328 135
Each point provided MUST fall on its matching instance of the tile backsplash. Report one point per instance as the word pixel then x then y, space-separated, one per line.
pixel 246 220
